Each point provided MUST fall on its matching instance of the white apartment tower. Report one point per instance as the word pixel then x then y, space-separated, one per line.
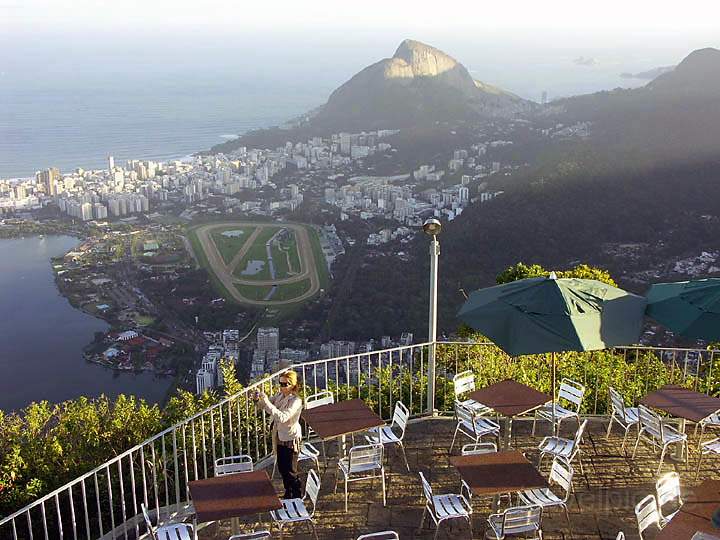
pixel 268 339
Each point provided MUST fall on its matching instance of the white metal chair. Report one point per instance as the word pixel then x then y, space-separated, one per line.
pixel 173 531
pixel 708 447
pixel 561 473
pixel 462 384
pixel 571 394
pixel 564 448
pixel 362 463
pixel 657 432
pixel 647 514
pixel 473 426
pixel 667 489
pixel 620 536
pixel 387 435
pixel 515 520
pixel 257 535
pixel 295 510
pixel 325 397
pixel 383 535
pixel 712 421
pixel 474 449
pixel 233 465
pixel 626 417
pixel 445 507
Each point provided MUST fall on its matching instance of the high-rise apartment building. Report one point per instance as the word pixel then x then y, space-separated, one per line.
pixel 268 339
pixel 49 178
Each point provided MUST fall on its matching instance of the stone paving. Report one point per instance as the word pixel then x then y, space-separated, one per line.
pixel 601 504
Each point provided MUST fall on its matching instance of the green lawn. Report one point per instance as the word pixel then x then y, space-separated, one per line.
pixel 257 253
pixel 291 290
pixel 320 261
pixel 202 259
pixel 254 292
pixel 229 246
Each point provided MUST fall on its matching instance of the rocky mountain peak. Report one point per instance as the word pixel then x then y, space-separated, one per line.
pixel 424 60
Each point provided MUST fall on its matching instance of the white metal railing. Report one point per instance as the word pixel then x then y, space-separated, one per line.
pixel 105 502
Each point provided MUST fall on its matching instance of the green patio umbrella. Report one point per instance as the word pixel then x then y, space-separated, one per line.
pixel 689 308
pixel 549 315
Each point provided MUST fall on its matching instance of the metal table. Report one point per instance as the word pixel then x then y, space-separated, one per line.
pixel 341 419
pixel 510 399
pixel 233 495
pixel 683 404
pixel 496 473
pixel 696 513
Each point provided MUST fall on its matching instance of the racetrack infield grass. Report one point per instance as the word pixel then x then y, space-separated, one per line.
pixel 203 261
pixel 257 253
pixel 229 246
pixel 288 291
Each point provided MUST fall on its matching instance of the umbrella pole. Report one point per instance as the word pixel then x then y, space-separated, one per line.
pixel 555 431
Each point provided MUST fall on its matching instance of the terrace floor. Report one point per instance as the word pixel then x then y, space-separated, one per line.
pixel 600 506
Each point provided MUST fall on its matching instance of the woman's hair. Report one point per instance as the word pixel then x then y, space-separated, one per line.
pixel 292 378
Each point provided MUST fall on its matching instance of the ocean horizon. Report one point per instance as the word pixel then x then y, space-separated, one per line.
pixel 171 103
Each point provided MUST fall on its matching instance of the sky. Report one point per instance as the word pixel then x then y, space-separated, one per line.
pixel 369 15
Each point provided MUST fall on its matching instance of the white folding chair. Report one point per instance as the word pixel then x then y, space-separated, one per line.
pixel 626 417
pixel 561 474
pixel 257 535
pixel 387 435
pixel 708 447
pixel 647 514
pixel 473 426
pixel 667 489
pixel 173 531
pixel 515 520
pixel 474 449
pixel 295 510
pixel 463 383
pixel 654 429
pixel 325 397
pixel 567 405
pixel 383 535
pixel 445 507
pixel 233 465
pixel 564 448
pixel 712 421
pixel 362 463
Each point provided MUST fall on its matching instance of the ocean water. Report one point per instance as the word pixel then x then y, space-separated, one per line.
pixel 70 100
pixel 159 117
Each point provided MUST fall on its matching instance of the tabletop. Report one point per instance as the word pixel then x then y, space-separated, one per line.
pixel 498 472
pixel 696 513
pixel 341 418
pixel 682 402
pixel 510 398
pixel 233 495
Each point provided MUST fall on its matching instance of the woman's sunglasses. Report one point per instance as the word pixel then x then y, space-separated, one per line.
pixel 284 384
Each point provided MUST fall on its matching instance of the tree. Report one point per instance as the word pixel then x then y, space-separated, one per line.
pixel 581 271
pixel 230 381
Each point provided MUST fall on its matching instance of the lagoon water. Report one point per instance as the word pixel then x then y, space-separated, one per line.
pixel 42 335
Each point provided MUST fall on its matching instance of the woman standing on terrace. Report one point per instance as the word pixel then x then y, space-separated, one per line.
pixel 285 408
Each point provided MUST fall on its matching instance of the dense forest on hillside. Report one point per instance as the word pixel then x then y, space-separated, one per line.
pixel 564 220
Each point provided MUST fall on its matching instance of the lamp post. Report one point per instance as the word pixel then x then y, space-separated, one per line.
pixel 432 227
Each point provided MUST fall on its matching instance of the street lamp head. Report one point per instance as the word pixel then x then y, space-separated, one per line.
pixel 432 227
